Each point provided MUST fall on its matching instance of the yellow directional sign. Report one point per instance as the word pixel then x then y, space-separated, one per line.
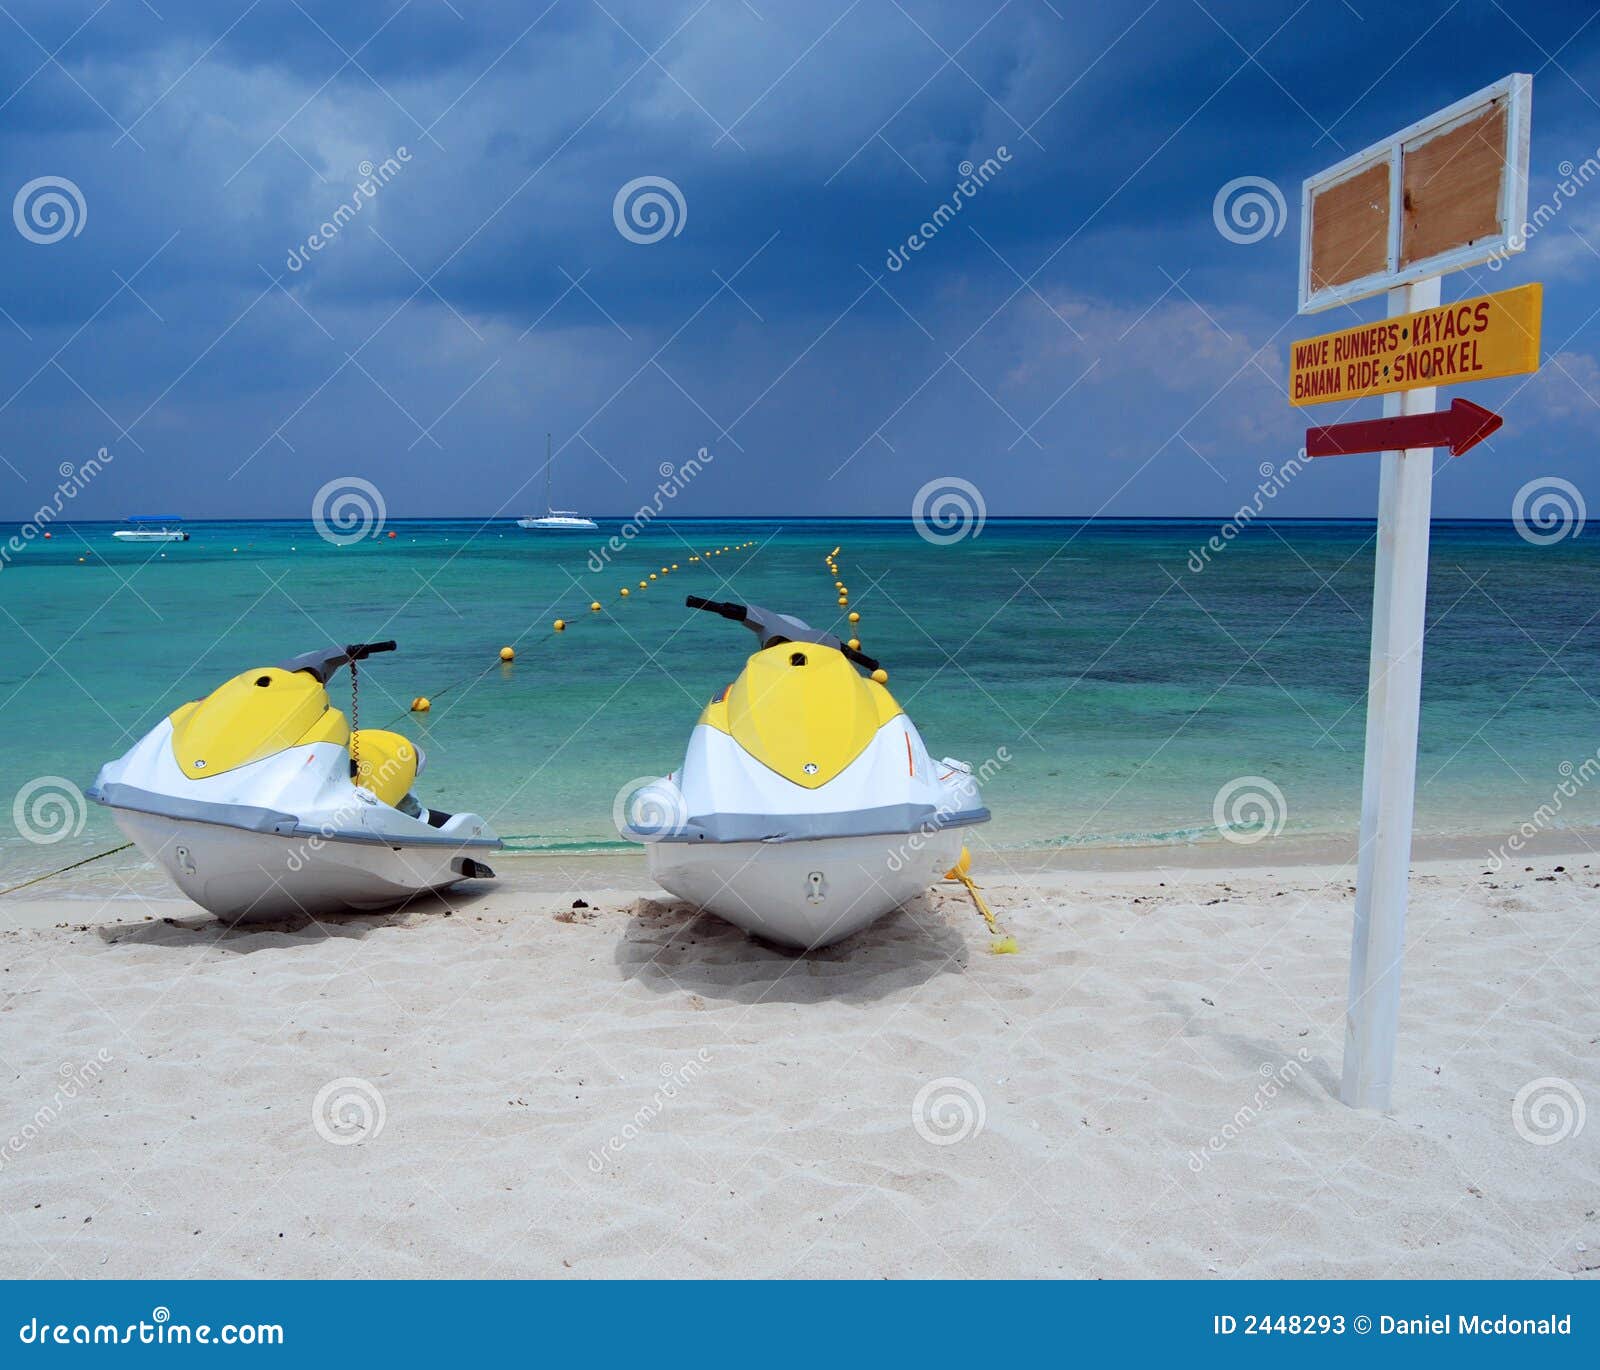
pixel 1470 340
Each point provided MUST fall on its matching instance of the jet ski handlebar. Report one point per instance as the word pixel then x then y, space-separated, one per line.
pixel 774 628
pixel 728 609
pixel 323 664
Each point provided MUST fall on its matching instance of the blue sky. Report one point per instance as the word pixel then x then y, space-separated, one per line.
pixel 1079 340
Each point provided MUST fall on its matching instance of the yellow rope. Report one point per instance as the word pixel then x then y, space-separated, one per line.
pixel 977 898
pixel 1004 943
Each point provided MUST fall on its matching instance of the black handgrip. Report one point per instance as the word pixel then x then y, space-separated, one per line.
pixel 860 658
pixel 716 606
pixel 360 651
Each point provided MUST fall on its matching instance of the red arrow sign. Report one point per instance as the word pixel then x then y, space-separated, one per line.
pixel 1463 425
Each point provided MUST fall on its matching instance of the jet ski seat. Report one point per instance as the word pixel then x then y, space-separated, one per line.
pixel 386 763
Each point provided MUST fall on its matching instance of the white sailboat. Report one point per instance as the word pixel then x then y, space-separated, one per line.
pixel 555 520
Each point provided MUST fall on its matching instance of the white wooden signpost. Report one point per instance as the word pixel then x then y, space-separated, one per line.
pixel 1449 192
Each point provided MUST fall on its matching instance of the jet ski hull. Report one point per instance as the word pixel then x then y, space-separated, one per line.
pixel 241 875
pixel 805 895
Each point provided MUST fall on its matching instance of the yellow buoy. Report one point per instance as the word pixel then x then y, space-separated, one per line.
pixel 652 575
pixel 674 566
pixel 506 654
pixel 663 570
pixel 421 704
pixel 560 625
pixel 881 676
pixel 855 617
pixel 595 607
pixel 624 591
pixel 855 644
pixel 644 585
pixel 843 601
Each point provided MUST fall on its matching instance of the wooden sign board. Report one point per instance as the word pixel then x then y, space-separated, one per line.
pixel 1449 191
pixel 1470 340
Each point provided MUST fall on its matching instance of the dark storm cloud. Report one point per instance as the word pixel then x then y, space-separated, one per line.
pixel 481 293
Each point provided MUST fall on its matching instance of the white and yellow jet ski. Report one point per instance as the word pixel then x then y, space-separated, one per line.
pixel 807 805
pixel 259 801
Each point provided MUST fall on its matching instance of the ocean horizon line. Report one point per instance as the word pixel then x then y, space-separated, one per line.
pixel 772 520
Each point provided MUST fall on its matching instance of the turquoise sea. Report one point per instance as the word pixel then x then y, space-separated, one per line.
pixel 1115 688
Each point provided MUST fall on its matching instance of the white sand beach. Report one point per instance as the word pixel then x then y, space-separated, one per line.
pixel 514 1086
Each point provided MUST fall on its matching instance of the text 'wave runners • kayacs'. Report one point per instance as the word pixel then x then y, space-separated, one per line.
pixel 260 801
pixel 807 805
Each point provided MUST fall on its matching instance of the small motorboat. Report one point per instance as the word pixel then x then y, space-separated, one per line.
pixel 555 520
pixel 260 800
pixel 152 528
pixel 807 805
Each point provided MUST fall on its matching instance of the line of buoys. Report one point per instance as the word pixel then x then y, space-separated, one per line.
pixel 854 641
pixel 625 592
pixel 422 704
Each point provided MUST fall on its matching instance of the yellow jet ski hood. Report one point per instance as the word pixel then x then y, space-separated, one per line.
pixel 263 711
pixel 799 708
pixel 802 710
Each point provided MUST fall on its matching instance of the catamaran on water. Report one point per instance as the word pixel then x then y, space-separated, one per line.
pixel 152 528
pixel 555 520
